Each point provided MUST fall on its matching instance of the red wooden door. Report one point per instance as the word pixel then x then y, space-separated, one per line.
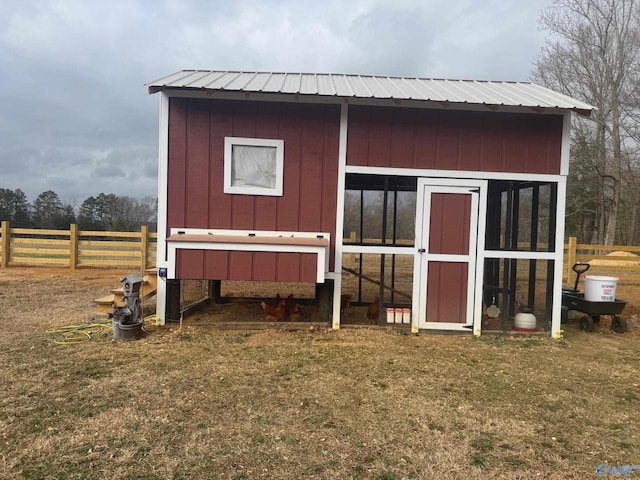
pixel 448 257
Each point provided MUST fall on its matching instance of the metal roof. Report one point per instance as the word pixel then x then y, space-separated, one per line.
pixel 471 92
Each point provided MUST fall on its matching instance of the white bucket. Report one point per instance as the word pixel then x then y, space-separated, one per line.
pixel 600 289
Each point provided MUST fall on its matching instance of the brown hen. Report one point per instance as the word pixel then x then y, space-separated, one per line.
pixel 275 312
pixel 374 309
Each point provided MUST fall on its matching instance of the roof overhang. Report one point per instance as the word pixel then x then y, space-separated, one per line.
pixel 370 90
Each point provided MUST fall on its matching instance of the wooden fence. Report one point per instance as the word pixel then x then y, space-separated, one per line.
pixel 84 248
pixel 77 248
pixel 621 260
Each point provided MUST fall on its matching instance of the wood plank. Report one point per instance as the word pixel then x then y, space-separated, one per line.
pixel 612 248
pixel 38 231
pixel 108 253
pixel 92 233
pixel 109 243
pixel 197 166
pixel 39 241
pixel 40 261
pixel 40 251
pixel 108 263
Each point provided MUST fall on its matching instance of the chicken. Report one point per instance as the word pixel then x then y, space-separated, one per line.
pixel 295 313
pixel 276 311
pixel 293 309
pixel 374 309
pixel 345 301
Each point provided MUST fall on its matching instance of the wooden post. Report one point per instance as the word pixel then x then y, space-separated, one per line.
pixel 571 256
pixel 215 292
pixel 73 246
pixel 144 245
pixel 6 244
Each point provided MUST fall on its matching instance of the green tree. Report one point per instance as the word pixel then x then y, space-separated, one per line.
pixel 50 213
pixel 14 208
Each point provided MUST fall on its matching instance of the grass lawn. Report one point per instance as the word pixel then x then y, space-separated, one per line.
pixel 201 403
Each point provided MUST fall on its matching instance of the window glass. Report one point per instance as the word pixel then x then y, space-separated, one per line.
pixel 253 166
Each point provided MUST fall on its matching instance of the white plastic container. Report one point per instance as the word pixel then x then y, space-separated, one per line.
pixel 406 315
pixel 391 315
pixel 600 289
pixel 398 315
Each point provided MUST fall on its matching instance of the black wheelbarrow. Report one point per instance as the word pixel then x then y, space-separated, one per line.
pixel 574 300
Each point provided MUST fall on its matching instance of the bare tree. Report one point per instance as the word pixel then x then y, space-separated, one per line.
pixel 593 55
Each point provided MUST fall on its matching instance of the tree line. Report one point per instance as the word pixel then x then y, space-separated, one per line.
pixel 104 212
pixel 593 54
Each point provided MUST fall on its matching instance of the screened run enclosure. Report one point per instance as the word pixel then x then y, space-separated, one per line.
pixel 379 212
pixel 379 231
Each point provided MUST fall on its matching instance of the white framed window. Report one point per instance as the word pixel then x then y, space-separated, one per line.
pixel 253 166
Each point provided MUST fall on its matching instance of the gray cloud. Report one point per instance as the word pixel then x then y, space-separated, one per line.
pixel 77 119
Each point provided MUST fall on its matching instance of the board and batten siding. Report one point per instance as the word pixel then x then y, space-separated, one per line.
pixel 196 197
pixel 454 140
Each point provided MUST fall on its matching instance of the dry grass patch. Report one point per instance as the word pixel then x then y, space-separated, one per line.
pixel 365 404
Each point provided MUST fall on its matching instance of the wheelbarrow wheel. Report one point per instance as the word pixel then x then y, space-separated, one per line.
pixel 586 324
pixel 618 324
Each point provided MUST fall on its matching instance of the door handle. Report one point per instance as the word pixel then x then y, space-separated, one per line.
pixel 421 250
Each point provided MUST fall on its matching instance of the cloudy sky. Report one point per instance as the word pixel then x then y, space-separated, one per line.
pixel 76 118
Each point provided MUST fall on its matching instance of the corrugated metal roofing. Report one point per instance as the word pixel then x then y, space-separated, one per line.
pixel 490 93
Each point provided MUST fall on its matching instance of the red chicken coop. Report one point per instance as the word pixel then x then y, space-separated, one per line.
pixel 442 198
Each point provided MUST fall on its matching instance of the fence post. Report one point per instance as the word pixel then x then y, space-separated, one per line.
pixel 144 245
pixel 6 244
pixel 73 246
pixel 571 255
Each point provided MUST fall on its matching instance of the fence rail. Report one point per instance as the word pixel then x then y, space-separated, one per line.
pixel 77 248
pixel 621 260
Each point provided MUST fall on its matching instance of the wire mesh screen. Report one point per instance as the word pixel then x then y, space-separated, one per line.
pixel 193 292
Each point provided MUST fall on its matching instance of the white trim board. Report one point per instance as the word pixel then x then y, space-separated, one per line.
pixel 556 308
pixel 322 252
pixel 519 255
pixel 338 248
pixel 381 249
pixel 270 143
pixel 453 174
pixel 566 144
pixel 163 167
